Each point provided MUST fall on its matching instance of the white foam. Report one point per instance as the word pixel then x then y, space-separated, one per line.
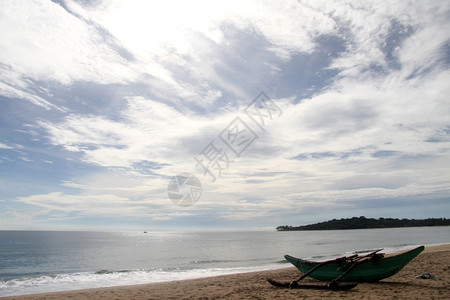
pixel 85 280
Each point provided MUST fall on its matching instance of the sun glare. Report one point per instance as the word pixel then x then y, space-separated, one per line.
pixel 151 28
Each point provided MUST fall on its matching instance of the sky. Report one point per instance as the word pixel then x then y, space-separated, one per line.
pixel 281 112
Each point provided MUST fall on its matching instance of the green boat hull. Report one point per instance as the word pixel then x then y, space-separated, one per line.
pixel 370 271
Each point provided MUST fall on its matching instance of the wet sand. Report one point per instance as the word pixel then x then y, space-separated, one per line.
pixel 404 285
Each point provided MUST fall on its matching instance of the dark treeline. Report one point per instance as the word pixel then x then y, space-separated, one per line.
pixel 364 223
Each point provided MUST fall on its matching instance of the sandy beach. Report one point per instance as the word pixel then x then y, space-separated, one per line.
pixel 404 285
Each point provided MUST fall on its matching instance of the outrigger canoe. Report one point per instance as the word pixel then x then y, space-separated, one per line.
pixel 374 269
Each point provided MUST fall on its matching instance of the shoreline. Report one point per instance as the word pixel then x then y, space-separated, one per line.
pixel 434 260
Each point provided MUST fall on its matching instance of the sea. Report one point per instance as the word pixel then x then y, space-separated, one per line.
pixel 47 261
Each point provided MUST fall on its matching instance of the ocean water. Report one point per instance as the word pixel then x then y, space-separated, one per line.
pixel 44 261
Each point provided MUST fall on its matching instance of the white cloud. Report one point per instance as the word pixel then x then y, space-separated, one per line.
pixel 432 42
pixel 148 131
pixel 169 25
pixel 166 42
pixel 109 194
pixel 365 135
pixel 350 124
pixel 366 26
pixel 40 40
pixel 11 218
pixel 11 92
pixel 3 146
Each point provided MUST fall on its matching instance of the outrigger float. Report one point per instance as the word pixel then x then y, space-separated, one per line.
pixel 342 273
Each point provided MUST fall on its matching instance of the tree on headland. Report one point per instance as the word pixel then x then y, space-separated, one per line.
pixel 366 223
